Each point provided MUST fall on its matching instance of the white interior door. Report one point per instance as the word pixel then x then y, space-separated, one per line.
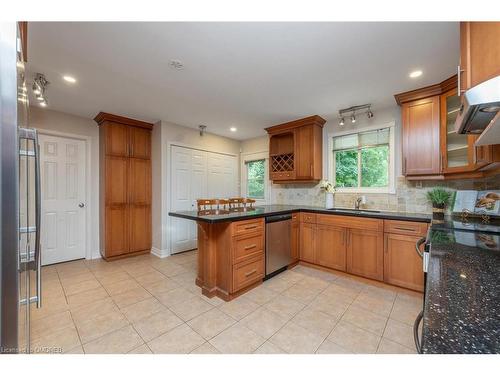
pixel 197 174
pixel 63 188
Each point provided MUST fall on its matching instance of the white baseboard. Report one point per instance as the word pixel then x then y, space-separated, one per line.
pixel 160 253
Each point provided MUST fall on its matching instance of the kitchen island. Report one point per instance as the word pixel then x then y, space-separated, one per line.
pixel 231 244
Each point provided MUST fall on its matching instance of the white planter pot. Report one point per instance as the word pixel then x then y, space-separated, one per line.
pixel 329 200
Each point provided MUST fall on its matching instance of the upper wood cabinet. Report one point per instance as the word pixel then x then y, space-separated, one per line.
pixel 125 185
pixel 296 150
pixel 479 53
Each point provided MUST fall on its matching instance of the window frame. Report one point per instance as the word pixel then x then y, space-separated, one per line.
pixel 249 157
pixel 390 188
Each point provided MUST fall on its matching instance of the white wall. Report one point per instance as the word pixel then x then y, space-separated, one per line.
pixel 63 123
pixel 164 136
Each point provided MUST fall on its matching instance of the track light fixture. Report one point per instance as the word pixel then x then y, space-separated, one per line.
pixel 202 129
pixel 352 111
pixel 39 86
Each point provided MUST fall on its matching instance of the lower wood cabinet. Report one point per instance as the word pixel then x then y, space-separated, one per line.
pixel 365 253
pixel 402 265
pixel 331 246
pixel 295 240
pixel 308 242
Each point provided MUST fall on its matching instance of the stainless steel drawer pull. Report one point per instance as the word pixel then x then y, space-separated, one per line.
pixel 250 273
pixel 250 246
pixel 406 229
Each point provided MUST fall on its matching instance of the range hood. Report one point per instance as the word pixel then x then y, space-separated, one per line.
pixel 479 109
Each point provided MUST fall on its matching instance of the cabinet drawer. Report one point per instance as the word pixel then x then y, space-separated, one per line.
pixel 282 176
pixel 308 218
pixel 405 227
pixel 247 273
pixel 248 226
pixel 351 222
pixel 247 246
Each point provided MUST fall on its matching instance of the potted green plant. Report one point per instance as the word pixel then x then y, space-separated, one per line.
pixel 439 198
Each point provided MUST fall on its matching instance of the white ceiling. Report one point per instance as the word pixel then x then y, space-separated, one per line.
pixel 247 75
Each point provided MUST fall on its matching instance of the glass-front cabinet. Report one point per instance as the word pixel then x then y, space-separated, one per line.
pixel 457 150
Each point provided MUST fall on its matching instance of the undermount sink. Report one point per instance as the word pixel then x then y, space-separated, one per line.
pixel 353 210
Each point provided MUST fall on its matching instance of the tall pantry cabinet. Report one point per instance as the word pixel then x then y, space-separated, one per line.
pixel 125 186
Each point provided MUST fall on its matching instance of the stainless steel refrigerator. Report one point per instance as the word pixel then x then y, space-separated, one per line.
pixel 20 272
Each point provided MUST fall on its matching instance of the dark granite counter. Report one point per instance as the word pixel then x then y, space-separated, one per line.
pixel 268 210
pixel 462 301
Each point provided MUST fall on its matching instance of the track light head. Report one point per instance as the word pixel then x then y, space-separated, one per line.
pixel 369 114
pixel 353 118
pixel 341 121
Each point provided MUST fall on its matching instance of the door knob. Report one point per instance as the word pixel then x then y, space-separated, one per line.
pixel 81 205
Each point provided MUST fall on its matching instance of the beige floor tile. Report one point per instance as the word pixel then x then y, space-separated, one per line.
pixel 406 310
pixel 161 286
pixel 264 322
pixel 382 291
pixel 285 306
pixel 400 333
pixel 117 342
pixel 329 347
pixel 238 308
pixel 143 349
pixel 348 294
pixel 87 297
pixel 140 310
pixel 171 269
pixel 115 277
pixel 93 310
pixel 121 286
pixel 157 324
pixel 69 279
pixel 291 276
pixel 269 348
pixel 130 297
pixel 92 329
pixel 185 278
pixel 333 305
pixel 374 304
pixel 301 293
pixel 46 270
pixel 51 323
pixel 390 347
pixel 278 285
pixel 353 338
pixel 192 308
pixel 314 283
pixel 214 301
pixel 211 323
pixel 365 319
pixel 184 257
pixel 179 340
pixel 237 339
pixel 136 270
pixel 294 339
pixel 206 348
pixel 81 287
pixel 261 295
pixel 175 296
pixel 315 321
pixel 59 341
pixel 76 350
pixel 150 278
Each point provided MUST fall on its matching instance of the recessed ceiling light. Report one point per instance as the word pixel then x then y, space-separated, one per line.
pixel 233 129
pixel 69 79
pixel 176 64
pixel 415 74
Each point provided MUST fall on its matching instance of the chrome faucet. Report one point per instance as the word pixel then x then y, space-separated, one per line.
pixel 358 201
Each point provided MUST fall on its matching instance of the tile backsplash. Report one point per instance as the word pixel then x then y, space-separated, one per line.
pixel 410 196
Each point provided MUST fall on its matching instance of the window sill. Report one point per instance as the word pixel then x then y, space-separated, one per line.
pixel 366 190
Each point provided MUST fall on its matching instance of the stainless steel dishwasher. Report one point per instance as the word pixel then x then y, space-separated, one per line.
pixel 278 247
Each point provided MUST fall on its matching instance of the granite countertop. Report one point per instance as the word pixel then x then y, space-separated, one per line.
pixel 462 301
pixel 268 210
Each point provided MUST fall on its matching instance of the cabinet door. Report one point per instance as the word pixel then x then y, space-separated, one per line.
pixel 117 139
pixel 140 227
pixel 139 181
pixel 117 239
pixel 402 265
pixel 116 180
pixel 295 241
pixel 421 152
pixel 307 242
pixel 365 253
pixel 331 247
pixel 140 143
pixel 480 48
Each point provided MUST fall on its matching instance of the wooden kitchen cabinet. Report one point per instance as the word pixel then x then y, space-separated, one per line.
pixel 331 246
pixel 365 253
pixel 479 53
pixel 295 240
pixel 308 242
pixel 421 152
pixel 125 186
pixel 296 151
pixel 402 265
